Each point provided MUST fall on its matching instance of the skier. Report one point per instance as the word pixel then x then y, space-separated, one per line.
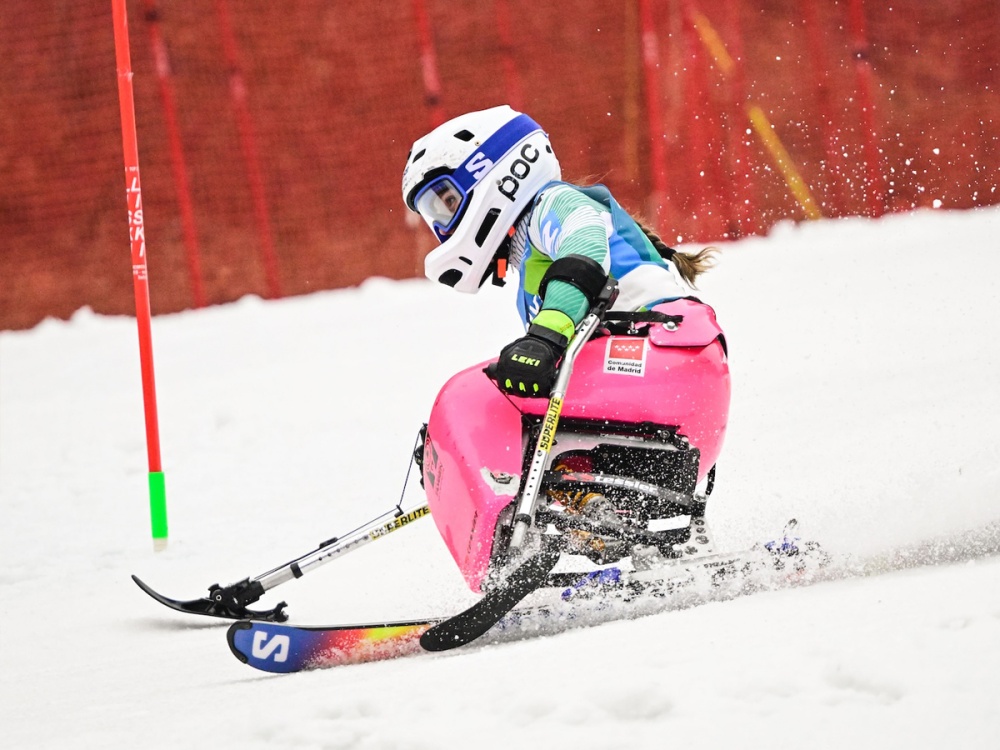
pixel 488 185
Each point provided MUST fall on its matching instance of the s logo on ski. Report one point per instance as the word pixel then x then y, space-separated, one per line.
pixel 263 649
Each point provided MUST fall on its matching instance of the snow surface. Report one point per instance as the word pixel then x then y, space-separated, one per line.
pixel 866 404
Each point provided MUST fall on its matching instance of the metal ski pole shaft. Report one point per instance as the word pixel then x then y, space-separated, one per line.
pixel 337 546
pixel 525 513
pixel 231 601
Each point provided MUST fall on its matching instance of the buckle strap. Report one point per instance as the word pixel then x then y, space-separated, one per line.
pixel 625 322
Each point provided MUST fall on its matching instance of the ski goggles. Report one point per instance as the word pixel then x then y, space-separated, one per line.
pixel 440 202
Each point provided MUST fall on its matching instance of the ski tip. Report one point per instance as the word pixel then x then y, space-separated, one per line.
pixel 172 603
pixel 145 587
pixel 475 621
pixel 435 641
pixel 231 639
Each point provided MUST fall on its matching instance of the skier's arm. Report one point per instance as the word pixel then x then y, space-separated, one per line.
pixel 574 232
pixel 570 229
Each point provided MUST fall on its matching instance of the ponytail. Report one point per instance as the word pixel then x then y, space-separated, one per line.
pixel 689 265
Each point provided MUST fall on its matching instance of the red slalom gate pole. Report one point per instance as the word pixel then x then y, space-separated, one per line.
pixel 651 81
pixel 422 243
pixel 428 63
pixel 140 280
pixel 632 103
pixel 181 182
pixel 821 85
pixel 739 138
pixel 863 71
pixel 716 185
pixel 248 145
pixel 512 80
pixel 695 101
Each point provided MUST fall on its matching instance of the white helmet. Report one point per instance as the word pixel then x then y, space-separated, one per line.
pixel 470 179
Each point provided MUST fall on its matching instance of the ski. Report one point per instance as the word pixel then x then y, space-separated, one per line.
pixel 225 602
pixel 271 647
pixel 470 624
pixel 579 600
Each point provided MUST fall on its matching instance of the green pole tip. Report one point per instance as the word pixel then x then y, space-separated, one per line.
pixel 158 507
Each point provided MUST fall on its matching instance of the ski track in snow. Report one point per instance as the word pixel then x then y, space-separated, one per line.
pixel 865 404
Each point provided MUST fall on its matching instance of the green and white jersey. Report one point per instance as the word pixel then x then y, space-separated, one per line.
pixel 567 220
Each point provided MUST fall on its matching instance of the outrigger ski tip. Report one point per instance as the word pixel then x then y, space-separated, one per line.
pixel 475 621
pixel 226 602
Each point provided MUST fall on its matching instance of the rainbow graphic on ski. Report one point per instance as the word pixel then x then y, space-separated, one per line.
pixel 273 647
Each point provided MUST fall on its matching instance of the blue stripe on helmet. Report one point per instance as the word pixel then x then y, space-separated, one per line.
pixel 495 148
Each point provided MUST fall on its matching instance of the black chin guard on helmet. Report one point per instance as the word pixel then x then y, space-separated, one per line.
pixel 584 273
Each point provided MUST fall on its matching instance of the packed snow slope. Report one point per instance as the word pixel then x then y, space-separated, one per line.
pixel 865 360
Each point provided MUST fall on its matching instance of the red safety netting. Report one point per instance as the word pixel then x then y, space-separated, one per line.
pixel 272 135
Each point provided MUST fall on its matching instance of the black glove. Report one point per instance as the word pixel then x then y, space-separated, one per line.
pixel 527 367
